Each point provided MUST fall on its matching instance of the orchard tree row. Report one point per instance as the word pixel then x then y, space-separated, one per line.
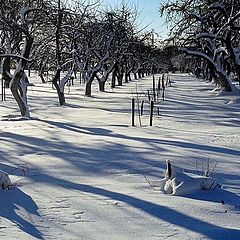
pixel 70 38
pixel 209 31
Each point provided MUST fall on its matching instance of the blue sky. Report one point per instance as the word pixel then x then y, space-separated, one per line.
pixel 149 14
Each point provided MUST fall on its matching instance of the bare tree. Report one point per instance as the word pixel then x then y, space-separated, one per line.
pixel 17 17
pixel 208 31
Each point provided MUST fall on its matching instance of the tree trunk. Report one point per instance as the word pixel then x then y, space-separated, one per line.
pixel 233 55
pixel 41 70
pixel 56 81
pixel 238 74
pixel 222 79
pixel 88 89
pixel 6 67
pixel 113 82
pixel 126 77
pixel 29 70
pixel 120 79
pixel 89 81
pixel 129 76
pixel 101 86
pixel 135 76
pixel 18 88
pixel 139 74
pixel 42 77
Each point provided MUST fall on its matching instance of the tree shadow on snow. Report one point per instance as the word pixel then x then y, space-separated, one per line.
pixel 16 200
pixel 219 196
pixel 105 132
pixel 60 148
pixel 14 169
pixel 156 210
pixel 98 160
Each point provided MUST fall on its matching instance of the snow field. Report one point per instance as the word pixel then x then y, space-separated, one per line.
pixel 88 165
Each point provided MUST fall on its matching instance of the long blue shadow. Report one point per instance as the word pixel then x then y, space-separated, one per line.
pixel 106 132
pixel 161 212
pixel 10 202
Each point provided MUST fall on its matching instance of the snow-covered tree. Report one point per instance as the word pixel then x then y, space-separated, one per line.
pixel 18 24
pixel 208 31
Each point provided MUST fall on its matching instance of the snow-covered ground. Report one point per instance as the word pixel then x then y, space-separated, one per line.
pixel 88 168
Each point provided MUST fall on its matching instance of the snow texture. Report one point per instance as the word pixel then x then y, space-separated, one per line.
pixel 87 164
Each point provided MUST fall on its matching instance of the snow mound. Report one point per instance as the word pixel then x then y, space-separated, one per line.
pixel 179 182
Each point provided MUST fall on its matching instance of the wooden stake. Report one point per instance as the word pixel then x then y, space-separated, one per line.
pixel 149 98
pixel 154 90
pixel 142 103
pixel 163 90
pixel 133 112
pixel 151 112
pixel 3 90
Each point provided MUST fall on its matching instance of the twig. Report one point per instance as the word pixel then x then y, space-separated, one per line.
pixel 148 180
pixel 22 167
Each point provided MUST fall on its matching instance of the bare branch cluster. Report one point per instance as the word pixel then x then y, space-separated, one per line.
pixel 209 32
pixel 70 38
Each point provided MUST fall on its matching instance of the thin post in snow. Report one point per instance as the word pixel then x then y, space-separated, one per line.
pixel 3 90
pixel 163 94
pixel 163 89
pixel 133 112
pixel 169 80
pixel 151 112
pixel 142 105
pixel 166 84
pixel 159 85
pixel 154 90
pixel 148 93
pixel 29 71
pixel 138 106
pixel 158 88
pixel 80 78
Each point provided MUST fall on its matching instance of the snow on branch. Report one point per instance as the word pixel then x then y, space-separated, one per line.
pixel 208 35
pixel 196 54
pixel 219 6
pixel 25 10
pixel 15 56
pixel 220 50
pixel 234 18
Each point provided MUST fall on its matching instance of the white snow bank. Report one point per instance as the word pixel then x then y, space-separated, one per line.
pixel 179 182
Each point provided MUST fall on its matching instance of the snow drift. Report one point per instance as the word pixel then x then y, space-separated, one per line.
pixel 179 182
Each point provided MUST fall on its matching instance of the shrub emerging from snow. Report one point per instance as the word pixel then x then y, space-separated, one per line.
pixel 179 182
pixel 5 181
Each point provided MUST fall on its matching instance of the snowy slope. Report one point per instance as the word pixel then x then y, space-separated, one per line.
pixel 88 168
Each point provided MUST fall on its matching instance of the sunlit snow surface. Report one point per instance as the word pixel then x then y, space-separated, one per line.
pixel 90 170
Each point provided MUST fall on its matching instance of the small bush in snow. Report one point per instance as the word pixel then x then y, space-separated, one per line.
pixel 5 181
pixel 179 182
